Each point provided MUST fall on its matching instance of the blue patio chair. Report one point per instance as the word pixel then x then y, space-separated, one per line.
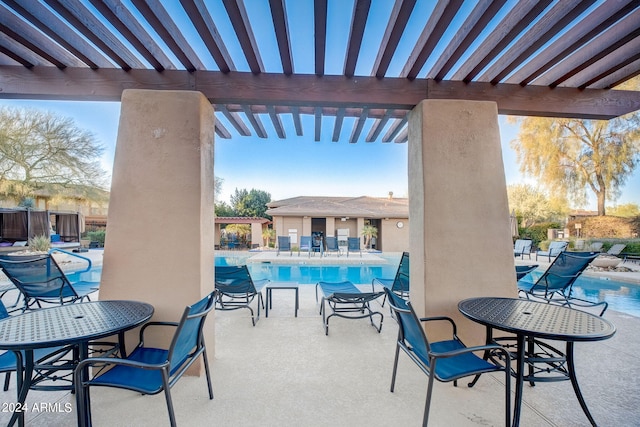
pixel 554 249
pixel 150 370
pixel 347 301
pixel 40 280
pixel 236 289
pixel 400 283
pixel 284 245
pixel 306 245
pixel 523 270
pixel 332 245
pixel 353 245
pixel 555 284
pixel 50 360
pixel 522 247
pixel 447 360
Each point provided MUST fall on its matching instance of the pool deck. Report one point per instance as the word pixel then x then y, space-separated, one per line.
pixel 286 372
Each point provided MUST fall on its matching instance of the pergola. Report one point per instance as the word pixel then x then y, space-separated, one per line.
pixel 543 58
pixel 420 71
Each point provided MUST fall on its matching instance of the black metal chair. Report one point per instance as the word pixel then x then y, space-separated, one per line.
pixel 347 301
pixel 400 283
pixel 40 280
pixel 150 370
pixel 236 289
pixel 444 361
pixel 555 284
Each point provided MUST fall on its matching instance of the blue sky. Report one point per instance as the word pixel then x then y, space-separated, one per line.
pixel 298 166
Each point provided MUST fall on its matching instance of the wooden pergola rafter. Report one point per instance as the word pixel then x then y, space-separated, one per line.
pixel 543 58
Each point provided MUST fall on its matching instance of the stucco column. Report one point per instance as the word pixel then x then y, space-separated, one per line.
pixel 160 233
pixel 330 227
pixel 460 241
pixel 256 234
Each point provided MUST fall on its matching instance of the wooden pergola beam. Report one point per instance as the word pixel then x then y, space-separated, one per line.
pixel 84 84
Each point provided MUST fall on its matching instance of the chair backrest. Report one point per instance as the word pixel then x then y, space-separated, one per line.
pixel 523 270
pixel 616 249
pixel 401 281
pixel 332 243
pixel 188 338
pixel 35 276
pixel 3 311
pixel 234 279
pixel 305 243
pixel 563 271
pixel 595 247
pixel 284 243
pixel 522 246
pixel 409 328
pixel 557 247
pixel 353 243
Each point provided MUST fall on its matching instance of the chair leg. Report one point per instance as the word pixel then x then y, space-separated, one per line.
pixel 7 377
pixel 207 373
pixel 395 368
pixel 427 404
pixel 167 396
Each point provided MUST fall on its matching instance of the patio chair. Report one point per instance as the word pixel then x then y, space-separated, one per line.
pixel 40 280
pixel 555 284
pixel 522 247
pixel 284 245
pixel 554 249
pixel 399 284
pixel 595 246
pixel 353 245
pixel 523 270
pixel 236 289
pixel 153 370
pixel 305 245
pixel 347 301
pixel 447 360
pixel 332 245
pixel 616 249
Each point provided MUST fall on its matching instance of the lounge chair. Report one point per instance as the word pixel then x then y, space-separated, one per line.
pixel 522 247
pixel 284 245
pixel 353 245
pixel 616 249
pixel 153 370
pixel 447 360
pixel 595 247
pixel 523 270
pixel 40 280
pixel 236 289
pixel 332 245
pixel 554 249
pixel 400 283
pixel 347 301
pixel 555 284
pixel 305 245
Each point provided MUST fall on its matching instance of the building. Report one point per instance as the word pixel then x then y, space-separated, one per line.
pixel 344 217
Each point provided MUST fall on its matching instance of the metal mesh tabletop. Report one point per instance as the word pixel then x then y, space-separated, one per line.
pixel 537 319
pixel 71 323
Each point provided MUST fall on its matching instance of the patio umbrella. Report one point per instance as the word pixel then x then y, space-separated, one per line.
pixel 513 220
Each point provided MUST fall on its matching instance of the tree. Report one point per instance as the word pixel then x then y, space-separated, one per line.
pixel 369 232
pixel 222 209
pixel 534 206
pixel 40 149
pixel 628 210
pixel 250 203
pixel 571 157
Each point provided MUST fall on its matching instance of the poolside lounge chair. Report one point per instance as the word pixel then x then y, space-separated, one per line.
pixel 595 247
pixel 399 284
pixel 353 245
pixel 284 244
pixel 616 249
pixel 554 249
pixel 153 370
pixel 40 280
pixel 236 289
pixel 347 301
pixel 332 245
pixel 522 247
pixel 555 284
pixel 305 245
pixel 444 361
pixel 523 270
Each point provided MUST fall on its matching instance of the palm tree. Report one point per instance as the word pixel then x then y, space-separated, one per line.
pixel 267 235
pixel 369 232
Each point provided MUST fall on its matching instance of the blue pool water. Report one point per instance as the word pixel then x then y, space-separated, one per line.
pixel 621 296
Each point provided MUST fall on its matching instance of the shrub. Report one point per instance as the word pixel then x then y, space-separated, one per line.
pixel 538 232
pixel 40 243
pixel 97 236
pixel 600 227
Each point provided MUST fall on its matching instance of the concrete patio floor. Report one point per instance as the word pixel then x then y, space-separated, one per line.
pixel 286 372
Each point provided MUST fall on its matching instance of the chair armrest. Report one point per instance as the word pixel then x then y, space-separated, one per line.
pixel 442 318
pixel 92 361
pixel 506 356
pixel 155 323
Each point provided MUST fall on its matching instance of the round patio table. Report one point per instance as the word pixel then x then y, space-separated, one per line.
pixel 64 325
pixel 532 319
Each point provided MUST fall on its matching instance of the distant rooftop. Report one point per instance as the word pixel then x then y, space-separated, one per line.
pixel 363 206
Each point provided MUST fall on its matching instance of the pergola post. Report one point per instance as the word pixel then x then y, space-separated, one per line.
pixel 160 235
pixel 460 241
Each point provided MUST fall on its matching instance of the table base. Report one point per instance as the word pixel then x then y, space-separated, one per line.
pixel 273 286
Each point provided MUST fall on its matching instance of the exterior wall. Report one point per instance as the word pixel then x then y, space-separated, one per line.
pixel 284 224
pixel 162 131
pixel 391 238
pixel 457 200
